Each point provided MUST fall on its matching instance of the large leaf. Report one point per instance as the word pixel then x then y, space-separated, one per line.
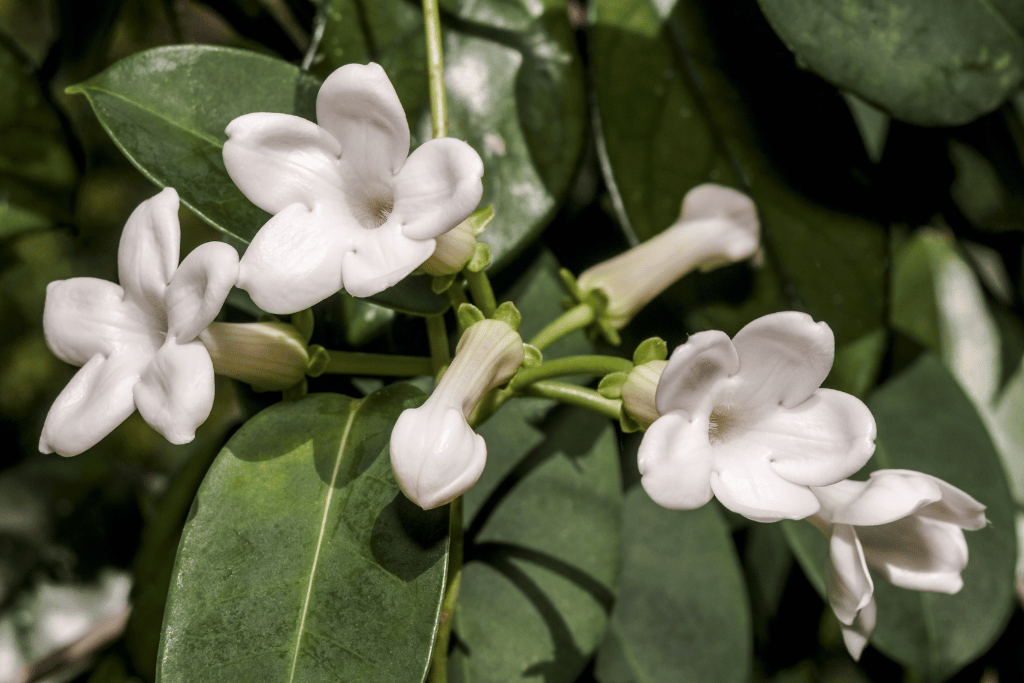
pixel 670 118
pixel 682 612
pixel 927 62
pixel 515 93
pixel 302 560
pixel 926 423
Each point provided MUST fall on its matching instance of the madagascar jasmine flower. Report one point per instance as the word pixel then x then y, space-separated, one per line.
pixel 717 226
pixel 435 454
pixel 905 525
pixel 352 209
pixel 744 419
pixel 137 342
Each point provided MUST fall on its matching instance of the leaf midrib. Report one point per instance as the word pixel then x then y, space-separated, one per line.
pixel 353 407
pixel 213 141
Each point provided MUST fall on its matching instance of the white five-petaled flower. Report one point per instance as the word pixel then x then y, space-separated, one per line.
pixel 907 526
pixel 136 342
pixel 351 211
pixel 744 420
pixel 435 454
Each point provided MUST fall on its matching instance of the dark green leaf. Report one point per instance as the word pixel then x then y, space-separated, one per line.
pixel 682 612
pixel 927 62
pixel 926 423
pixel 302 560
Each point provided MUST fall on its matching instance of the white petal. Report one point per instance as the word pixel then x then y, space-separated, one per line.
pixel 744 481
pixel 435 455
pixel 148 252
pixel 360 108
pixel 199 288
pixel 735 234
pixel 278 160
pixel 175 393
pixel 675 462
pixel 784 357
pixel 382 258
pixel 916 553
pixel 887 496
pixel 828 437
pixel 695 373
pixel 86 316
pixel 856 635
pixel 954 505
pixel 96 400
pixel 847 581
pixel 438 188
pixel 295 259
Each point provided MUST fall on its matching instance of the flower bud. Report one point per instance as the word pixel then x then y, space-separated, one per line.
pixel 435 454
pixel 455 248
pixel 269 356
pixel 639 391
pixel 718 226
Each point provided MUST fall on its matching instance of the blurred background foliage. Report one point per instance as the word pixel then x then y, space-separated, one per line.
pixel 886 156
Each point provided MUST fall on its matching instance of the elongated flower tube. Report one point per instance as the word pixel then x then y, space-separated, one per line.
pixel 905 525
pixel 352 208
pixel 718 226
pixel 268 355
pixel 137 342
pixel 743 419
pixel 435 454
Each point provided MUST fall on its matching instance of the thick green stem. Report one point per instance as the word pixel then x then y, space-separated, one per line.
pixel 437 336
pixel 573 365
pixel 483 294
pixel 439 658
pixel 435 69
pixel 572 395
pixel 455 296
pixel 576 318
pixel 352 363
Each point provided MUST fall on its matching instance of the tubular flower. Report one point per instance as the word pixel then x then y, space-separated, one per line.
pixel 435 454
pixel 717 226
pixel 744 420
pixel 352 209
pixel 137 342
pixel 907 526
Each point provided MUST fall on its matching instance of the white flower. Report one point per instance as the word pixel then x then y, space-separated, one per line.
pixel 137 343
pixel 717 226
pixel 744 420
pixel 435 454
pixel 350 210
pixel 905 525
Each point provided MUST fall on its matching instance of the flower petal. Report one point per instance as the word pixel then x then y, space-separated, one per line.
pixel 917 553
pixel 278 160
pixel 199 288
pixel 695 372
pixel 856 635
pixel 825 439
pixel 887 496
pixel 85 316
pixel 382 258
pixel 148 252
pixel 744 481
pixel 96 400
pixel 175 393
pixel 295 259
pixel 784 357
pixel 847 581
pixel 358 106
pixel 954 506
pixel 675 461
pixel 438 188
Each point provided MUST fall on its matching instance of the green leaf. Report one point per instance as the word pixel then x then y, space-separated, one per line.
pixel 670 119
pixel 927 62
pixel 926 423
pixel 515 93
pixel 682 612
pixel 302 560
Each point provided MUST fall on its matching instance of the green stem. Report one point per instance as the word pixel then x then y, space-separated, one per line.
pixel 576 318
pixel 572 365
pixel 483 294
pixel 439 658
pixel 435 69
pixel 572 395
pixel 353 363
pixel 455 296
pixel 437 336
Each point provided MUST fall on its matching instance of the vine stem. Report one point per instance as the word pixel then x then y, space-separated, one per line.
pixel 353 363
pixel 439 657
pixel 435 69
pixel 576 318
pixel 572 395
pixel 437 337
pixel 483 293
pixel 572 365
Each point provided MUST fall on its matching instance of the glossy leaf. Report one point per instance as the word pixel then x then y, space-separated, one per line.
pixel 926 423
pixel 515 93
pixel 927 62
pixel 301 559
pixel 682 612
